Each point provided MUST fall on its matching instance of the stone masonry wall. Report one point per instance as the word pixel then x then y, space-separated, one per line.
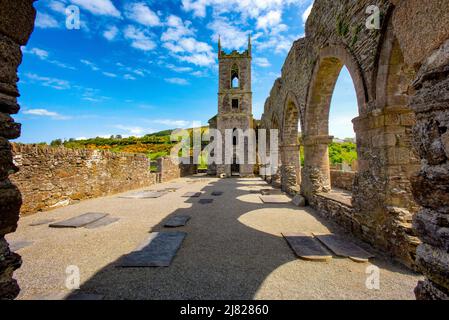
pixel 53 177
pixel 342 179
pixel 169 170
pixel 16 24
pixel 423 33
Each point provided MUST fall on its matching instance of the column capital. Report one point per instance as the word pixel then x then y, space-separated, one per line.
pixel 317 140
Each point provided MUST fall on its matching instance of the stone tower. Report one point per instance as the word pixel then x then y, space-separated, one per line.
pixel 234 103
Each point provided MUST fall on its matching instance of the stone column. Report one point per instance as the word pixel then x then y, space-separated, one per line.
pixel 316 172
pixel 291 169
pixel 431 184
pixel 16 24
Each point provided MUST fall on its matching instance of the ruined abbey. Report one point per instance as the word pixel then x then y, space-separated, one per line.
pixel 400 193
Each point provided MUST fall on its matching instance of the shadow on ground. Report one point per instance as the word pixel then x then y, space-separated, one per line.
pixel 221 258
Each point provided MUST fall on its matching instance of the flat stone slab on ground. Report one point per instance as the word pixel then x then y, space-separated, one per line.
pixel 80 221
pixel 169 190
pixel 271 192
pixel 217 193
pixel 157 251
pixel 306 247
pixel 17 245
pixel 102 223
pixel 275 199
pixel 192 195
pixel 177 221
pixel 344 248
pixel 41 222
pixel 205 201
pixel 145 195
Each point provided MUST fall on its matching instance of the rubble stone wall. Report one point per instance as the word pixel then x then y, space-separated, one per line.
pixel 53 177
pixel 342 179
pixel 169 170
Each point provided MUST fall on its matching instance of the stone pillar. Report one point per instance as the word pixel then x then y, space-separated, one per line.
pixel 16 24
pixel 431 185
pixel 316 172
pixel 291 169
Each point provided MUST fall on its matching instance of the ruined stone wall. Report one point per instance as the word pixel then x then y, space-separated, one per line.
pixel 169 170
pixel 342 179
pixel 16 24
pixel 423 33
pixel 52 177
pixel 401 75
pixel 383 206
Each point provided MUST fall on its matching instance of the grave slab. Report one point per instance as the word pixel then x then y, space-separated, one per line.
pixel 145 195
pixel 18 245
pixel 41 222
pixel 158 250
pixel 177 221
pixel 271 192
pixel 306 247
pixel 275 199
pixel 344 248
pixel 217 193
pixel 205 201
pixel 192 195
pixel 80 221
pixel 102 223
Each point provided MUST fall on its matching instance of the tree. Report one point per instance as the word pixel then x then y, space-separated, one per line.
pixel 56 143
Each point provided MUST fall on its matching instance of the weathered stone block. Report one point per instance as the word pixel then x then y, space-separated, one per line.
pixel 17 19
pixel 412 21
pixel 434 263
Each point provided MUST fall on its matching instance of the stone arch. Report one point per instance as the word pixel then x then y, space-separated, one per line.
pixel 290 148
pixel 326 71
pixel 316 136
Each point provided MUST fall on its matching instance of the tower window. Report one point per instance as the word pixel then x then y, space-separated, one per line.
pixel 235 82
pixel 235 103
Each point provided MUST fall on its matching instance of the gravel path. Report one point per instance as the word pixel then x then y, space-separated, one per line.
pixel 233 250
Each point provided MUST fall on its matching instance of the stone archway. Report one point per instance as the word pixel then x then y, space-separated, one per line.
pixel 383 66
pixel 290 148
pixel 316 136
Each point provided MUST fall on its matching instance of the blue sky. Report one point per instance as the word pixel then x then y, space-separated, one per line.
pixel 140 66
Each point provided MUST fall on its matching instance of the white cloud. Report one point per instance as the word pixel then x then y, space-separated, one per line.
pixel 45 21
pixel 172 123
pixel 110 74
pixel 45 113
pixel 140 39
pixel 129 77
pixel 141 13
pixel 134 130
pixel 44 55
pixel 178 81
pixel 99 7
pixel 306 13
pixel 111 33
pixel 247 8
pixel 231 36
pixel 262 62
pixel 271 19
pixel 179 69
pixel 176 29
pixel 40 53
pixel 54 83
pixel 57 6
pixel 90 64
pixel 179 40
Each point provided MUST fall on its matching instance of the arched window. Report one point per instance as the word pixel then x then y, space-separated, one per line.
pixel 235 81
